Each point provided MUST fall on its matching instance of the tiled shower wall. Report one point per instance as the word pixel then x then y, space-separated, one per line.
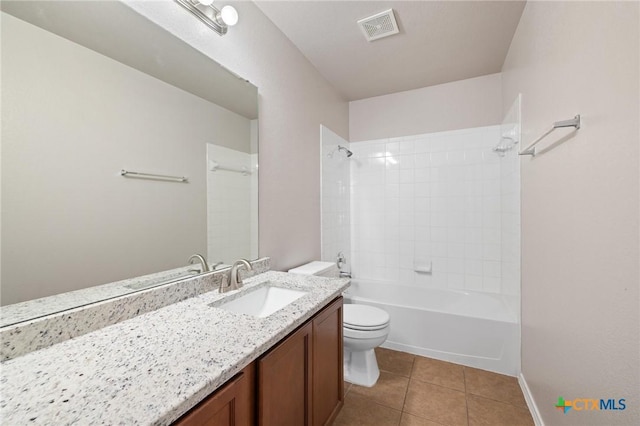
pixel 232 222
pixel 428 202
pixel 335 197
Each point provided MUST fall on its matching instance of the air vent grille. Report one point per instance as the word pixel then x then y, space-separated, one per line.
pixel 380 25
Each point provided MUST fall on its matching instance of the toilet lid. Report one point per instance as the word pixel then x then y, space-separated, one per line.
pixel 364 317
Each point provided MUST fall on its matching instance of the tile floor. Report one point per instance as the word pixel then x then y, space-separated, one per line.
pixel 417 391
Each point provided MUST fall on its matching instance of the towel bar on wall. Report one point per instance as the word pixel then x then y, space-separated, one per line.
pixel 138 175
pixel 531 149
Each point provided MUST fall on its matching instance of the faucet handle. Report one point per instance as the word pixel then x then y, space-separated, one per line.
pixel 235 281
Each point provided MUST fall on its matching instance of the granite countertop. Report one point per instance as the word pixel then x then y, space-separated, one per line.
pixel 153 368
pixel 25 311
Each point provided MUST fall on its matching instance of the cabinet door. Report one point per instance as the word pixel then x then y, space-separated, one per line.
pixel 328 370
pixel 284 381
pixel 231 405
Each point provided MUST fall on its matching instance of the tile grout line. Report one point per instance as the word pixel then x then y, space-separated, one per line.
pixel 440 386
pixel 466 401
pixel 430 419
pixel 406 392
pixel 373 401
pixel 405 395
pixel 496 400
pixel 384 404
pixel 467 393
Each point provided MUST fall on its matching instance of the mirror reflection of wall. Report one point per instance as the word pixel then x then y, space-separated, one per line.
pixel 232 184
pixel 72 118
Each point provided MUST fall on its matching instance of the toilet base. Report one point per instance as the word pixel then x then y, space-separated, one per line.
pixel 361 367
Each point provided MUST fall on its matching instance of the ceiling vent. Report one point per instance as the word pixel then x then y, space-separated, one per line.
pixel 380 25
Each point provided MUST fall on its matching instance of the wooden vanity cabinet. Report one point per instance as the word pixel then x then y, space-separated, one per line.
pixel 284 381
pixel 328 369
pixel 231 405
pixel 297 382
pixel 300 380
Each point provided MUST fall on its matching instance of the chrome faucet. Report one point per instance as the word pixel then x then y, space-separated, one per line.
pixel 203 263
pixel 215 266
pixel 340 261
pixel 235 282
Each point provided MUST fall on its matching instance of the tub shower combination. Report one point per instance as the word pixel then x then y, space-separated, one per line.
pixel 431 227
pixel 469 328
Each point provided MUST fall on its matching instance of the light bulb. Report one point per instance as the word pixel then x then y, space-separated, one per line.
pixel 229 15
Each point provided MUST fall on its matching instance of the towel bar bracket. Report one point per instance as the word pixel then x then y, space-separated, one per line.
pixel 531 149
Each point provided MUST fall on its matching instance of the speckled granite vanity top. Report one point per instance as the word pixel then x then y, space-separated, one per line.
pixel 153 368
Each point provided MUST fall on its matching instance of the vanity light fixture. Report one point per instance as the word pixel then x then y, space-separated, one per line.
pixel 218 20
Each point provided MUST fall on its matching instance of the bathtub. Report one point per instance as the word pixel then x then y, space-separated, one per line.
pixel 469 328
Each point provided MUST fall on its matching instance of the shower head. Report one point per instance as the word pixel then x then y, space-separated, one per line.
pixel 349 153
pixel 340 148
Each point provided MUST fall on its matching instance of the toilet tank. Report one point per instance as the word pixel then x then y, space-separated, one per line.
pixel 322 269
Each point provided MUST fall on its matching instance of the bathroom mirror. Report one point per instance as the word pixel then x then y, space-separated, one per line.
pixel 90 89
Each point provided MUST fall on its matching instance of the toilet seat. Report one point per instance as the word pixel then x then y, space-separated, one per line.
pixel 361 328
pixel 364 318
pixel 350 333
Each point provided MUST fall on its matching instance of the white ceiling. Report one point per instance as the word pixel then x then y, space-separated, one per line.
pixel 439 41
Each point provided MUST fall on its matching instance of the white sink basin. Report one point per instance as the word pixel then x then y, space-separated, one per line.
pixel 261 302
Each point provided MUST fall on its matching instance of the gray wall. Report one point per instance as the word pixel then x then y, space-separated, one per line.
pixel 475 102
pixel 294 100
pixel 580 278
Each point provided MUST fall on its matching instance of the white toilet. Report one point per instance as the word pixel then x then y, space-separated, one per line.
pixel 364 327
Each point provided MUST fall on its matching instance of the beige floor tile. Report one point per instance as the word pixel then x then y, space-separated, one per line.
pixel 390 390
pixel 493 386
pixel 395 362
pixel 486 412
pixel 361 411
pixel 411 420
pixel 433 396
pixel 436 403
pixel 438 372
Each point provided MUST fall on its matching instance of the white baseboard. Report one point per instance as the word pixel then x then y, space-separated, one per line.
pixel 533 408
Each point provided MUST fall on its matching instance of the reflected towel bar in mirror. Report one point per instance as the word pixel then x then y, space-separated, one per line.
pixel 213 166
pixel 138 175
